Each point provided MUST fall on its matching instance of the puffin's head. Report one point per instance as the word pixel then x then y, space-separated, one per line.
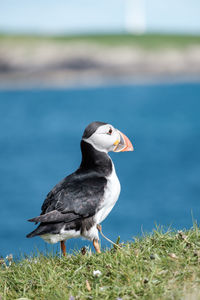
pixel 104 137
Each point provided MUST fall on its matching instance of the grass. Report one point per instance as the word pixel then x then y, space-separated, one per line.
pixel 146 41
pixel 156 266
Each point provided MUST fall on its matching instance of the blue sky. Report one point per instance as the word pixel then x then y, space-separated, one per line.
pixel 78 16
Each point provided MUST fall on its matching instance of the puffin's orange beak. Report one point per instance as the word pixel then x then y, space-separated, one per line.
pixel 124 144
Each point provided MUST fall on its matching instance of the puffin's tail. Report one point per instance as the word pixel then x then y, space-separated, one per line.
pixel 35 232
pixel 44 228
pixel 41 229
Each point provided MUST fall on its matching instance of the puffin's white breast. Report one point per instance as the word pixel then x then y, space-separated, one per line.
pixel 111 195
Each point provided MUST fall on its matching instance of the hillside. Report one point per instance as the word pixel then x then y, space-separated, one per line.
pixel 156 266
pixel 36 61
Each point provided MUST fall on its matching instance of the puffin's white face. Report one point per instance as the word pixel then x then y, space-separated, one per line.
pixel 107 138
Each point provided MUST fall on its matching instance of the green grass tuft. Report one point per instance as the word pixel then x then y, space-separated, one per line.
pixel 156 266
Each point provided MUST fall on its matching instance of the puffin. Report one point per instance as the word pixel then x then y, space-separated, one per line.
pixel 78 204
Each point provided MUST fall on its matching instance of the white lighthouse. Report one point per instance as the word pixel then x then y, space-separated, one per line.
pixel 135 16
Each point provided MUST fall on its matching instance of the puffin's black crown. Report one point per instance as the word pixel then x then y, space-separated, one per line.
pixel 91 128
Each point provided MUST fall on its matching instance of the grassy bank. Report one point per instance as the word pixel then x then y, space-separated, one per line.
pixel 146 41
pixel 157 266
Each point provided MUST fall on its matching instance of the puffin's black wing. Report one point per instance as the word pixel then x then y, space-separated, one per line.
pixel 76 196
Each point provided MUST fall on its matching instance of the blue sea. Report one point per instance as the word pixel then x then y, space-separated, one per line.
pixel 40 132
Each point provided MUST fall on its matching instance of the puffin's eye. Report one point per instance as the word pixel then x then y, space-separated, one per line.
pixel 110 131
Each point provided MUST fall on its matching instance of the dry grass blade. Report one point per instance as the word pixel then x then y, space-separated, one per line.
pixel 88 286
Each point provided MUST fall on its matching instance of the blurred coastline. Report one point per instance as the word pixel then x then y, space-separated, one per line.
pixel 56 62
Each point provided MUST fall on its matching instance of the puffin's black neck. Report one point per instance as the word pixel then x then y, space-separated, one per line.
pixel 95 160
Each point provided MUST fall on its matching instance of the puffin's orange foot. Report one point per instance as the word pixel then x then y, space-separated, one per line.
pixel 63 247
pixel 96 246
